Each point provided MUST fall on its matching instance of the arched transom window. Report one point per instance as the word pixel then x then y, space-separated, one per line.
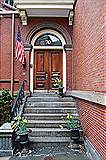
pixel 48 39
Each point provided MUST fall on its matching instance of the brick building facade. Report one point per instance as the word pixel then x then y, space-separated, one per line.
pixel 20 72
pixel 84 62
pixel 89 69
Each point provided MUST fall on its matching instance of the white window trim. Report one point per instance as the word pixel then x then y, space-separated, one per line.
pixel 47 47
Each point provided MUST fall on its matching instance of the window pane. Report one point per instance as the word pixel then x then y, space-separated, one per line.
pixel 10 2
pixel 48 40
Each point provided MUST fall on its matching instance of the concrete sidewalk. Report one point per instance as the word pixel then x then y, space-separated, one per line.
pixel 72 155
pixel 50 157
pixel 4 158
pixel 49 153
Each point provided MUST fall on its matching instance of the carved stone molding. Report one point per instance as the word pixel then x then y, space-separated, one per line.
pixel 23 16
pixel 28 47
pixel 68 47
pixel 70 17
pixel 46 25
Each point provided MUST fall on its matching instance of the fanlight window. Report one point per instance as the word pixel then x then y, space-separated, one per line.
pixel 48 40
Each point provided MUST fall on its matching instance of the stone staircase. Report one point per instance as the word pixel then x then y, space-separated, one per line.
pixel 43 112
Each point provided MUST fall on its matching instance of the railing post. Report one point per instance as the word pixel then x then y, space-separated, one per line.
pixel 18 101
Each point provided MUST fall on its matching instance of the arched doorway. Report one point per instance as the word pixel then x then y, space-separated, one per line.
pixel 48 59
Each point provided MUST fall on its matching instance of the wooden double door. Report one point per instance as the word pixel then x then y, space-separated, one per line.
pixel 48 65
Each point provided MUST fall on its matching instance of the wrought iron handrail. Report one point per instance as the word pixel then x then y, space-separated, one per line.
pixel 18 101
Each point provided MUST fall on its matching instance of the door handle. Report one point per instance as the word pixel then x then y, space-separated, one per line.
pixel 46 76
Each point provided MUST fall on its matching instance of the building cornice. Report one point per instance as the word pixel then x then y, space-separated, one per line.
pixel 44 2
pixel 53 8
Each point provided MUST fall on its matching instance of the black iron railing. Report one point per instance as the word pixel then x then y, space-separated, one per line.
pixel 18 101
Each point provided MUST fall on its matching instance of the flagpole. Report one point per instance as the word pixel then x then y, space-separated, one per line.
pixel 12 55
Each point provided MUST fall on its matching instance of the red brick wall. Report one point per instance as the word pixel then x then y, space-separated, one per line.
pixel 1 1
pixel 5 51
pixel 89 36
pixel 0 49
pixel 69 70
pixel 5 58
pixel 93 118
pixel 89 65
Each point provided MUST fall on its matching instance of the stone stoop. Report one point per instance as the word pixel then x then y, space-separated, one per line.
pixel 43 112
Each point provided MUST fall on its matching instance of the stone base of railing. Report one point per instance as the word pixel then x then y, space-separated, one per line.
pixel 6 140
pixel 91 151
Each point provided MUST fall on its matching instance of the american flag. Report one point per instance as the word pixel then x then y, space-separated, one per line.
pixel 19 47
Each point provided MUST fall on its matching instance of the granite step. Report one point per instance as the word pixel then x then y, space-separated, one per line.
pixel 49 132
pixel 34 116
pixel 45 123
pixel 49 99
pixel 49 139
pixel 50 94
pixel 43 94
pixel 49 110
pixel 50 105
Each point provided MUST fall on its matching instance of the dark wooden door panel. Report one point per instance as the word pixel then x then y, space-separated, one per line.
pixel 54 61
pixel 40 80
pixel 56 67
pixel 48 66
pixel 40 58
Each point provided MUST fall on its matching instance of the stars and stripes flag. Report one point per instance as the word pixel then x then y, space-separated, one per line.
pixel 19 47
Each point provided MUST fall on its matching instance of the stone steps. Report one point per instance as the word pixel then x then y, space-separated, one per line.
pixel 44 112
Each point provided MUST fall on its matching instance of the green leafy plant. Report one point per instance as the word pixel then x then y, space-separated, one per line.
pixel 70 122
pixel 20 126
pixel 5 106
pixel 58 83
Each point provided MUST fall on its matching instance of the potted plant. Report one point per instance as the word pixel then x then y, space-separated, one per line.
pixel 59 85
pixel 72 123
pixel 20 127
